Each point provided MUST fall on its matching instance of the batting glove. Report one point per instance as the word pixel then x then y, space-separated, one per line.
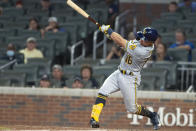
pixel 106 30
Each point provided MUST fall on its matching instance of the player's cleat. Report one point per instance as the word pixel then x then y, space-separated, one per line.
pixel 93 123
pixel 155 120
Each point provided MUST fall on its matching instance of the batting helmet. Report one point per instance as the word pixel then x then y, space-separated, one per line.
pixel 148 34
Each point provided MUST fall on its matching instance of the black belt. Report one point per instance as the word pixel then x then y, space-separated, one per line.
pixel 124 72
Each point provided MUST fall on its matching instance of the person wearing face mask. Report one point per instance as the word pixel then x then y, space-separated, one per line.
pixel 11 55
pixel 181 42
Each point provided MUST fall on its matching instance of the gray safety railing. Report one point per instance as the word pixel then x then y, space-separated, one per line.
pixel 97 44
pixel 187 73
pixel 120 22
pixel 8 64
pixel 73 48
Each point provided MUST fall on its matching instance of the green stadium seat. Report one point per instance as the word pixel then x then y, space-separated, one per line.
pixel 30 70
pixel 72 31
pixel 194 55
pixel 5 82
pixel 47 49
pixel 171 67
pixel 171 16
pixel 19 42
pixel 45 41
pixel 159 73
pixel 71 70
pixel 17 78
pixel 186 25
pixel 168 38
pixel 14 25
pixel 99 78
pixel 87 61
pixel 7 32
pixel 28 33
pixel 61 39
pixel 37 13
pixel 148 83
pixel 113 62
pixel 12 11
pixel 164 25
pixel 6 19
pixel 3 62
pixel 44 65
pixel 191 16
pixel 103 70
pixel 23 18
pixel 178 54
pixel 82 26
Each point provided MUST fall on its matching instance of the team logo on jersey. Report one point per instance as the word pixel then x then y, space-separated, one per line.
pixel 132 47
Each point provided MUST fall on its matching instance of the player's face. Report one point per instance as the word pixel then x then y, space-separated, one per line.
pixel 31 45
pixel 57 74
pixel 44 83
pixel 179 38
pixel 86 74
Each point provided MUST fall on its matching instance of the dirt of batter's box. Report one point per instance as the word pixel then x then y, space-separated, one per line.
pixel 58 128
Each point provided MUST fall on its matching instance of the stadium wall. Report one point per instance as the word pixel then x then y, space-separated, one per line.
pixel 72 107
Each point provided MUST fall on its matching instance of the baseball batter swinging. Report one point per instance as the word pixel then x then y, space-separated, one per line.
pixel 127 77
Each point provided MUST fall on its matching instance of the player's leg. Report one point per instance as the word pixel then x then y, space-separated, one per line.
pixel 129 91
pixel 109 86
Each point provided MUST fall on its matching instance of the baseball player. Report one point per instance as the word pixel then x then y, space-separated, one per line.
pixel 127 77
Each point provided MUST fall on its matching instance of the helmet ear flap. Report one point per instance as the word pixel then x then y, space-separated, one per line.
pixel 139 35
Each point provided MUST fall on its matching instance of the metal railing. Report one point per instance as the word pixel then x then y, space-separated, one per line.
pixel 8 64
pixel 187 73
pixel 73 48
pixel 97 44
pixel 120 23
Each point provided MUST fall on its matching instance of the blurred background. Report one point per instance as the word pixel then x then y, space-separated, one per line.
pixel 45 43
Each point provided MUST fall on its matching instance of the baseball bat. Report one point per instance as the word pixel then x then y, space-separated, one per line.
pixel 82 12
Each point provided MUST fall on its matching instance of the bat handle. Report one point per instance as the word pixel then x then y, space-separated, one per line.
pixel 94 21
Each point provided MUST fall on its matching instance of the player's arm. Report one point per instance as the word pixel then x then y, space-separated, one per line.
pixel 117 38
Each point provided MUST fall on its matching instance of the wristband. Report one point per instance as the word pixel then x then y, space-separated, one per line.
pixel 110 31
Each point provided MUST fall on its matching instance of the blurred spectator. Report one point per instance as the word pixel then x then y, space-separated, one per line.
pixel 86 73
pixel 161 53
pixel 52 26
pixel 30 51
pixel 1 11
pixel 188 4
pixel 19 4
pixel 12 55
pixel 112 11
pixel 33 24
pixel 115 53
pixel 45 81
pixel 77 83
pixel 158 40
pixel 173 7
pixel 47 6
pixel 181 42
pixel 58 79
pixel 6 3
pixel 131 36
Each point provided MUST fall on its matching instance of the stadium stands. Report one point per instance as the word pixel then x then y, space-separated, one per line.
pixel 14 29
